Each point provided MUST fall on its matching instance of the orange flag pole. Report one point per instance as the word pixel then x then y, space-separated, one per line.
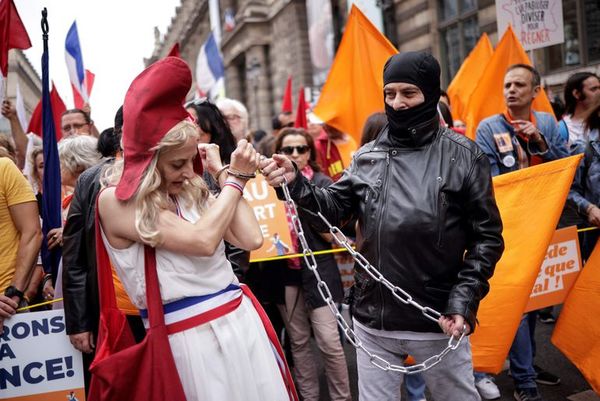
pixel 530 202
pixel 488 99
pixel 354 87
pixel 577 332
pixel 466 79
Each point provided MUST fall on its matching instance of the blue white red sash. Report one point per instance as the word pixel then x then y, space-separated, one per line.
pixel 190 312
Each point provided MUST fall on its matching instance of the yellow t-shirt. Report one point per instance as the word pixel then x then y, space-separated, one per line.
pixel 14 189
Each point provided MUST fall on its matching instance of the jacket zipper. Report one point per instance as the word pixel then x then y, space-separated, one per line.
pixel 441 215
pixel 381 215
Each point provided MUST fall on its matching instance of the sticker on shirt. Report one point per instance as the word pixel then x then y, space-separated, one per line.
pixel 503 142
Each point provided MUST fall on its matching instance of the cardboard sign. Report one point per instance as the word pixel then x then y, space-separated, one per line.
pixel 270 213
pixel 37 361
pixel 537 23
pixel 558 272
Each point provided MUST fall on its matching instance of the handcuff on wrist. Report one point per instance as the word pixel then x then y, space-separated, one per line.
pixel 221 171
pixel 240 175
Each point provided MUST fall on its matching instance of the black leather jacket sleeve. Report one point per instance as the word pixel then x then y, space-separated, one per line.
pixel 485 244
pixel 79 257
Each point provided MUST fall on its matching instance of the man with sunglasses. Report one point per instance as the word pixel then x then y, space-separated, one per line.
pixel 428 221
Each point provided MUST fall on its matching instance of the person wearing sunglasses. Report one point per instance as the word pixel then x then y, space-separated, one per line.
pixel 304 308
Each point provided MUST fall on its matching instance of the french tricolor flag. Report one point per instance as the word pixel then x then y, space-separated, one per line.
pixel 210 71
pixel 82 80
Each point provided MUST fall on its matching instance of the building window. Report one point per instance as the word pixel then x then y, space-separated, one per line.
pixel 581 20
pixel 459 32
pixel 389 21
pixel 568 53
pixel 592 29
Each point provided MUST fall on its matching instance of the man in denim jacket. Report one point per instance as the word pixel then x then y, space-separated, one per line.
pixel 514 139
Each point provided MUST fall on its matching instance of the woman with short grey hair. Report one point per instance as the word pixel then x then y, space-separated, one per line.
pixel 77 154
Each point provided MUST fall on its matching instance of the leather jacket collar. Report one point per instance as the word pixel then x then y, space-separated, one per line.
pixel 414 137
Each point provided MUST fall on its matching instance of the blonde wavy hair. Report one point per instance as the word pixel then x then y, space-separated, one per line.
pixel 149 199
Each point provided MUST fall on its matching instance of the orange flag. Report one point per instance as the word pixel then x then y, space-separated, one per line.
pixel 466 79
pixel 487 99
pixel 577 332
pixel 354 87
pixel 530 202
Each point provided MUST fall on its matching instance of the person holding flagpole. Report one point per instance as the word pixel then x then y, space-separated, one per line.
pixel 515 139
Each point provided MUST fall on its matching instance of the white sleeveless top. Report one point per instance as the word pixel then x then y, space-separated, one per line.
pixel 179 275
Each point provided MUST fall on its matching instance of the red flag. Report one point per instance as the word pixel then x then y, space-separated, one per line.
pixel 13 34
pixel 286 104
pixel 58 108
pixel 89 84
pixel 174 52
pixel 301 111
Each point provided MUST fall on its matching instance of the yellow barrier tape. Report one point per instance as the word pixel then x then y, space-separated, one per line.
pixel 40 304
pixel 297 255
pixel 586 229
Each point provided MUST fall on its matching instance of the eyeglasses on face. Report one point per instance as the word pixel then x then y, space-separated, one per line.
pixel 288 150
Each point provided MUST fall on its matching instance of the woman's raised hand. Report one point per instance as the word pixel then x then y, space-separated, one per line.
pixel 244 158
pixel 210 156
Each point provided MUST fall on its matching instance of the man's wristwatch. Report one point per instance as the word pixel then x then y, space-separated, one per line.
pixel 12 291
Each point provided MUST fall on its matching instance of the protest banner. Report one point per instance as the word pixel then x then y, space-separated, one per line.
pixel 37 361
pixel 537 23
pixel 559 271
pixel 270 213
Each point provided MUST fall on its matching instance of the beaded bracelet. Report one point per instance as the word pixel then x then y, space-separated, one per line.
pixel 240 175
pixel 221 170
pixel 235 185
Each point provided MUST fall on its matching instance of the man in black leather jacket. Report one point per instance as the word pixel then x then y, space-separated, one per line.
pixel 429 223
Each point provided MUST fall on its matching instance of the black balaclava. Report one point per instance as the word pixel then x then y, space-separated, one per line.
pixel 422 70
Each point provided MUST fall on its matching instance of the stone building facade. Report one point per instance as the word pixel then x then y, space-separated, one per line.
pixel 30 84
pixel 269 41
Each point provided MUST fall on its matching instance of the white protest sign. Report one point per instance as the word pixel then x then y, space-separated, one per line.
pixel 37 361
pixel 558 272
pixel 537 23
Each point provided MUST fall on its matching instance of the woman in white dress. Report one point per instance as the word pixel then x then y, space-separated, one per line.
pixel 161 201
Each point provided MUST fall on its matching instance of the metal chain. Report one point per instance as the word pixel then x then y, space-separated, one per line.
pixel 398 292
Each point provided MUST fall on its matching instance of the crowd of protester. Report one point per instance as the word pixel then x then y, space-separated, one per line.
pixel 515 139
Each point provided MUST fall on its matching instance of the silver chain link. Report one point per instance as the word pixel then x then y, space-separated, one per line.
pixel 398 293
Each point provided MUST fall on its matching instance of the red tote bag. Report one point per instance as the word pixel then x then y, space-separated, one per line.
pixel 123 370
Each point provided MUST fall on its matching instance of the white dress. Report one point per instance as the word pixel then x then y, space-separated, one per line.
pixel 227 359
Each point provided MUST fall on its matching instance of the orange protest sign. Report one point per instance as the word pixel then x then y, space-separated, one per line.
pixel 559 271
pixel 270 213
pixel 466 79
pixel 354 87
pixel 530 202
pixel 487 98
pixel 577 331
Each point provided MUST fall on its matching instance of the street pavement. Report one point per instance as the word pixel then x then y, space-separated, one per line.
pixel 572 387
